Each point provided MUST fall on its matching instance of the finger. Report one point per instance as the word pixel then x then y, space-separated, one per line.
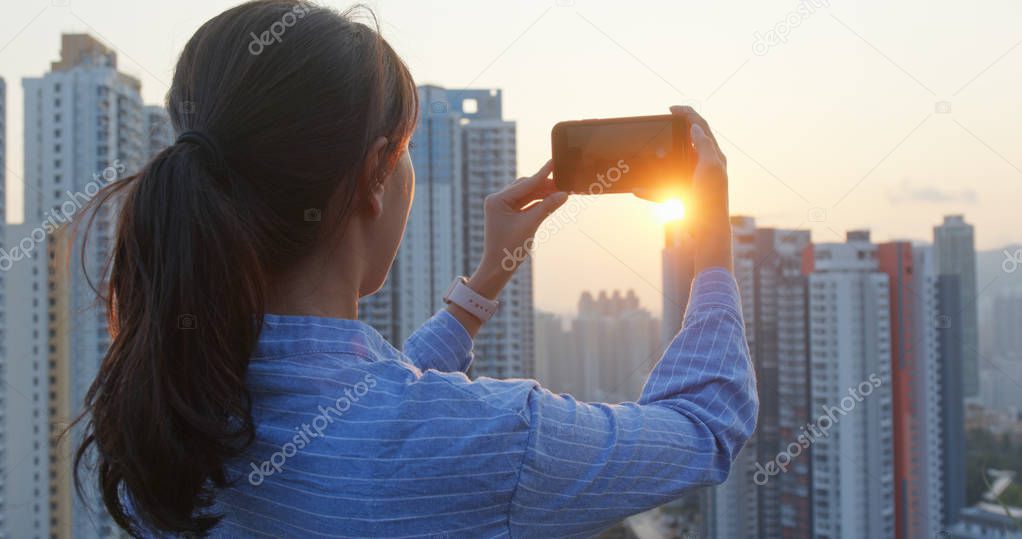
pixel 527 200
pixel 710 182
pixel 697 119
pixel 524 187
pixel 548 205
pixel 643 194
pixel 647 194
pixel 694 118
pixel 681 110
pixel 706 149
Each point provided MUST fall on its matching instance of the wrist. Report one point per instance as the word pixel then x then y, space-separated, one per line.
pixel 713 247
pixel 489 279
pixel 716 260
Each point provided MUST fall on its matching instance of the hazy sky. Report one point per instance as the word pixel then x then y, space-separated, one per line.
pixel 840 117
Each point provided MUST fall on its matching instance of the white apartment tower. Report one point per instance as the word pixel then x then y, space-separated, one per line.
pixel 85 126
pixel 928 428
pixel 850 344
pixel 462 151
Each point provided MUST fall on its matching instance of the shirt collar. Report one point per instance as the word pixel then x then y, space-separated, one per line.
pixel 283 335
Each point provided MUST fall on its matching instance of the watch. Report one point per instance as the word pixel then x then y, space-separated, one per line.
pixel 478 306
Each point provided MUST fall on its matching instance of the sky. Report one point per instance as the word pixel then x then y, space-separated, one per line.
pixel 834 115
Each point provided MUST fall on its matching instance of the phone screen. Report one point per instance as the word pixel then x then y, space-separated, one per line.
pixel 620 155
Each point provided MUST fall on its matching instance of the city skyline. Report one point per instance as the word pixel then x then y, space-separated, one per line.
pixel 846 104
pixel 904 344
pixel 818 317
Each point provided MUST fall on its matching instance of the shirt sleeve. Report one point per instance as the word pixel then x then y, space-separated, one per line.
pixel 441 344
pixel 587 466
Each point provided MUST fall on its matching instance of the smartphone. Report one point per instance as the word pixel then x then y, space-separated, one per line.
pixel 651 154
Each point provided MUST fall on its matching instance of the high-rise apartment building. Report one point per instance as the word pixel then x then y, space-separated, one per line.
pixel 952 396
pixel 895 260
pixel 26 394
pixel 909 385
pixel 938 407
pixel 506 344
pixel 85 126
pixel 768 267
pixel 954 257
pixel 782 359
pixel 617 344
pixel 850 362
pixel 463 151
pixel 955 252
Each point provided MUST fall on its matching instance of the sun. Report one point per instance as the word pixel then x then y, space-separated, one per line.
pixel 670 210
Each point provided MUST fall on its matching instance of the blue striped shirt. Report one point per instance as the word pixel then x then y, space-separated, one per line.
pixel 358 439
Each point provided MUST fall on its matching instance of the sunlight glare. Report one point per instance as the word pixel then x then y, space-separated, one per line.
pixel 670 210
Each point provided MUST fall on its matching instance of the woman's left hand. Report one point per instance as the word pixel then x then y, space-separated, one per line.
pixel 512 217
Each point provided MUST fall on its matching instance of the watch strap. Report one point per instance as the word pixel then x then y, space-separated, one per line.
pixel 476 304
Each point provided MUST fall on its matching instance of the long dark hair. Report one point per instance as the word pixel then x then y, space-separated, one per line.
pixel 293 94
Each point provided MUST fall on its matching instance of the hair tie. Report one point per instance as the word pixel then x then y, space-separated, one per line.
pixel 207 144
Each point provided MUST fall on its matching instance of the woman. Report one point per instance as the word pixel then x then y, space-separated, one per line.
pixel 241 396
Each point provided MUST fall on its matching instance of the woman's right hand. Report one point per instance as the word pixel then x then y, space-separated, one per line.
pixel 710 221
pixel 512 216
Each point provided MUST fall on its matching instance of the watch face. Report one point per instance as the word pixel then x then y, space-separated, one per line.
pixel 450 289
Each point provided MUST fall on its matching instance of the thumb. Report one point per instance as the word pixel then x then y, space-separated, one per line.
pixel 548 205
pixel 703 145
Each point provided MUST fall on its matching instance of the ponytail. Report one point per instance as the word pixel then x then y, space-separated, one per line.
pixel 186 302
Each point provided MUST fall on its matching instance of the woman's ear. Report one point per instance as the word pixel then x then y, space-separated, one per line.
pixel 372 176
